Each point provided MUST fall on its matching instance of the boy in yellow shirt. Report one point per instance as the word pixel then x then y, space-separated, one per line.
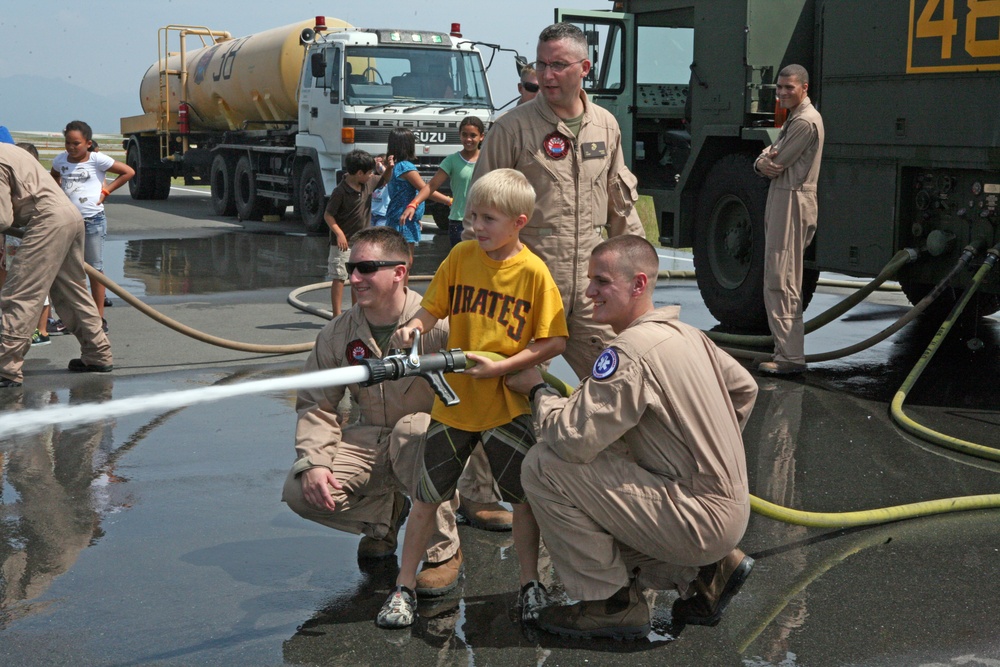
pixel 498 297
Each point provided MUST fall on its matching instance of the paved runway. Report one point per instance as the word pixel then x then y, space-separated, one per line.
pixel 159 538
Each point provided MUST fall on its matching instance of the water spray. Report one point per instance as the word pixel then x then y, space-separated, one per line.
pixel 398 365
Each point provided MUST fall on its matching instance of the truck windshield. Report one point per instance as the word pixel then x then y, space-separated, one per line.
pixel 379 75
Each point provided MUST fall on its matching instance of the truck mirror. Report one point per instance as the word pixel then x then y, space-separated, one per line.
pixel 317 65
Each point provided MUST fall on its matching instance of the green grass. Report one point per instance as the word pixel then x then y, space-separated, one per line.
pixel 647 214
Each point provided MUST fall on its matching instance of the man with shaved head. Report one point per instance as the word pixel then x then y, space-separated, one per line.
pixel 667 514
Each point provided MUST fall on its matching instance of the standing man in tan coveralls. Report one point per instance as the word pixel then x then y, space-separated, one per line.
pixel 570 151
pixel 49 262
pixel 677 505
pixel 348 477
pixel 792 164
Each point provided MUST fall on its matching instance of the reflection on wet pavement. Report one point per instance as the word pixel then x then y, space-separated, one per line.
pixel 235 261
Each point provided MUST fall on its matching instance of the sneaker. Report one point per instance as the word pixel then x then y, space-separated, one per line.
pixel 77 366
pixel 371 548
pixel 715 586
pixel 531 599
pixel 624 615
pixel 57 328
pixel 104 325
pixel 436 579
pixel 6 383
pixel 38 338
pixel 399 611
pixel 487 516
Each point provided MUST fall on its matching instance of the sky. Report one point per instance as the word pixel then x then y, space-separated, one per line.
pixel 62 60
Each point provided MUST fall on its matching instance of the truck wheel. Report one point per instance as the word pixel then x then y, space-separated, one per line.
pixel 440 213
pixel 149 182
pixel 312 201
pixel 980 305
pixel 221 179
pixel 249 206
pixel 729 246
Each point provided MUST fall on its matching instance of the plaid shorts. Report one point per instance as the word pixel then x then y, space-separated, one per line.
pixel 448 449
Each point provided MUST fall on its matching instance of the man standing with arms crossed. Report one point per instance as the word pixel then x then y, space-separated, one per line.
pixel 792 163
pixel 570 151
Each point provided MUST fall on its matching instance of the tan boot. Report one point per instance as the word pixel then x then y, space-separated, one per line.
pixel 487 516
pixel 624 615
pixel 715 586
pixel 371 548
pixel 436 579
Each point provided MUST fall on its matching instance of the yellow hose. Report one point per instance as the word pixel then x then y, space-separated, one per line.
pixel 896 407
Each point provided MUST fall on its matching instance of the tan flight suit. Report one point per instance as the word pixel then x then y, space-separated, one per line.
pixel 358 453
pixel 577 196
pixel 789 226
pixel 48 262
pixel 679 500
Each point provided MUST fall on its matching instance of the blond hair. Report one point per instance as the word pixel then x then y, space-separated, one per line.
pixel 506 190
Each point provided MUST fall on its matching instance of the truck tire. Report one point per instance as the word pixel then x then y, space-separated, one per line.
pixel 729 245
pixel 440 212
pixel 312 200
pixel 980 305
pixel 149 182
pixel 221 179
pixel 249 206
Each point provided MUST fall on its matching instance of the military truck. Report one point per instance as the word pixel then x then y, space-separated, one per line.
pixel 266 119
pixel 908 90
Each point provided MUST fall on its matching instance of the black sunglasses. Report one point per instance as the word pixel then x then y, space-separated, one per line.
pixel 530 87
pixel 371 266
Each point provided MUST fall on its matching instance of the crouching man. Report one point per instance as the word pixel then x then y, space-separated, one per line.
pixel 345 476
pixel 674 508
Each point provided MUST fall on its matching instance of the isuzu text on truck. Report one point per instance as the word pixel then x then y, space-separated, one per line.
pixel 266 119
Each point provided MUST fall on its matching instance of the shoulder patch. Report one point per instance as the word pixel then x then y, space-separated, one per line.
pixel 606 364
pixel 357 350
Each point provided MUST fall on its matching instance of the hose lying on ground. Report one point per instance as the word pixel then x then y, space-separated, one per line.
pixel 188 331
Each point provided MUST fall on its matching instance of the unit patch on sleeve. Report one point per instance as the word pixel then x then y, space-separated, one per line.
pixel 357 350
pixel 606 364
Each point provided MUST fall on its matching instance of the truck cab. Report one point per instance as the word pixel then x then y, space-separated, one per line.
pixel 692 83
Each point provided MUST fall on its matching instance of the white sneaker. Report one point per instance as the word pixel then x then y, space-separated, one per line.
pixel 399 610
pixel 531 599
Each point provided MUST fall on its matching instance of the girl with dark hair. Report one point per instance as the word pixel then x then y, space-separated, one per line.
pixel 80 171
pixel 405 207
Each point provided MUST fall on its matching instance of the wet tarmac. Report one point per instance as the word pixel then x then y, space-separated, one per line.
pixel 159 538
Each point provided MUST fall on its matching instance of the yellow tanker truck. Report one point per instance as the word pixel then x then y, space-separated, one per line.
pixel 266 119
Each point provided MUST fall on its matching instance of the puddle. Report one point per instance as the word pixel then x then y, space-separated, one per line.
pixel 234 262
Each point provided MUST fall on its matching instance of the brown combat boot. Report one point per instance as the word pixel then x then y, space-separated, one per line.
pixel 436 579
pixel 487 516
pixel 371 548
pixel 715 586
pixel 624 615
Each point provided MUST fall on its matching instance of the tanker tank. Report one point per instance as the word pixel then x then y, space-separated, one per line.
pixel 253 78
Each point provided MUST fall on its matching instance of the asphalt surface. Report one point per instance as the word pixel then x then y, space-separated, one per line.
pixel 159 537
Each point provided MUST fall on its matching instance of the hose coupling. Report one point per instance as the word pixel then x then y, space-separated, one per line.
pixel 913 253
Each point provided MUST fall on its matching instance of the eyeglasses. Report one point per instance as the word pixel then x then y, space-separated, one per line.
pixel 531 87
pixel 558 66
pixel 371 266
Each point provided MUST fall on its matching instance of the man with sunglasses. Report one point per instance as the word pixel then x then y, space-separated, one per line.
pixel 570 151
pixel 528 85
pixel 350 469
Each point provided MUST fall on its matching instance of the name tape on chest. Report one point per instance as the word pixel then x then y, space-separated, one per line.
pixel 593 150
pixel 606 364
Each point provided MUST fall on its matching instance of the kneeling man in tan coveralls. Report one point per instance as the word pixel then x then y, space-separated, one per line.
pixel 677 503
